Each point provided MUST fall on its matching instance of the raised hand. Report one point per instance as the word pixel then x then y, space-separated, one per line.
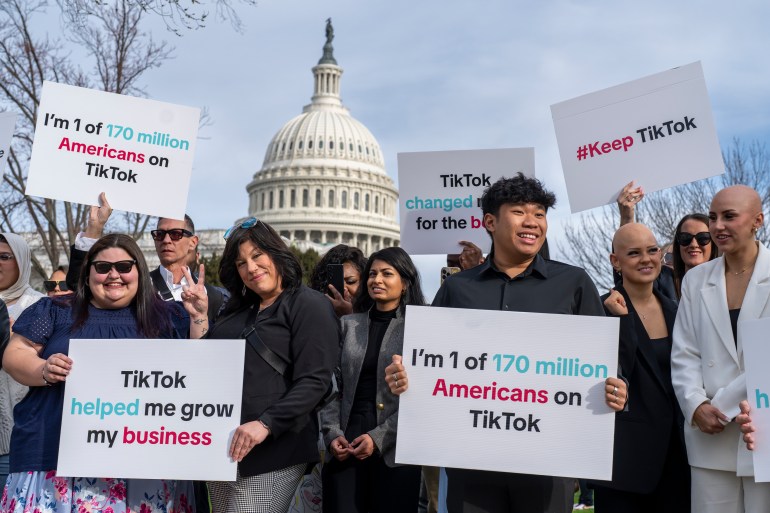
pixel 98 217
pixel 196 302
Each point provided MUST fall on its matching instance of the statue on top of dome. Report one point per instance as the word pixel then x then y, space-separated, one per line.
pixel 328 56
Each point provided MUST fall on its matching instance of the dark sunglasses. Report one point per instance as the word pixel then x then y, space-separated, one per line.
pixel 50 285
pixel 684 239
pixel 6 256
pixel 248 223
pixel 174 234
pixel 123 267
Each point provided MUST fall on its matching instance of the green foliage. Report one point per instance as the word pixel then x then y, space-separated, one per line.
pixel 309 259
pixel 212 269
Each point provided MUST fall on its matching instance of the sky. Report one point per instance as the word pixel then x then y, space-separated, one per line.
pixel 446 75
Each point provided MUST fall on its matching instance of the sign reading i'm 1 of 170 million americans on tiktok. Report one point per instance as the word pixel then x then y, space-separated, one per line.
pixel 140 152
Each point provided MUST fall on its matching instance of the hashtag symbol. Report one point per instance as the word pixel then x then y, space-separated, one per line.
pixel 582 152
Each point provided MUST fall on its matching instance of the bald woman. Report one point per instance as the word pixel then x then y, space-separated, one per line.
pixel 707 356
pixel 650 470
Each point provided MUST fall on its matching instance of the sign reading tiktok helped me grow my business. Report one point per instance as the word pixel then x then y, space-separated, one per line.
pixel 152 409
pixel 440 192
pixel 140 152
pixel 508 392
pixel 756 354
pixel 658 131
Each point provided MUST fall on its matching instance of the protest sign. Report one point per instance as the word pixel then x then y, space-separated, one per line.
pixel 140 152
pixel 756 352
pixel 508 392
pixel 153 409
pixel 7 124
pixel 658 131
pixel 439 193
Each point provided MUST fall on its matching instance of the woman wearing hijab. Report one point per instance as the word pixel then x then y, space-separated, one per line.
pixel 16 293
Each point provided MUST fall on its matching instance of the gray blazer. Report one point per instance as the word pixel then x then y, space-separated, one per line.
pixel 335 416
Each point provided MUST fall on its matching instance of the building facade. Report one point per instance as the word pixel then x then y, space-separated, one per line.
pixel 323 180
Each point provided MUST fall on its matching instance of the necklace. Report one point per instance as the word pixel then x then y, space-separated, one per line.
pixel 741 271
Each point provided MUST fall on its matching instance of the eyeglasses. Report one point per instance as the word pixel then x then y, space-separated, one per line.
pixel 174 234
pixel 684 239
pixel 248 223
pixel 123 267
pixel 6 256
pixel 50 285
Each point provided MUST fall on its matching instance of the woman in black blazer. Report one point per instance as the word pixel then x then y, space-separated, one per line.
pixel 360 428
pixel 650 470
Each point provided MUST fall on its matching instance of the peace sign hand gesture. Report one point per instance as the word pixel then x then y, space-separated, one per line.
pixel 196 302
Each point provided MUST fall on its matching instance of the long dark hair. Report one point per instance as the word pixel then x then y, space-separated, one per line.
pixel 265 238
pixel 339 254
pixel 679 269
pixel 151 312
pixel 401 262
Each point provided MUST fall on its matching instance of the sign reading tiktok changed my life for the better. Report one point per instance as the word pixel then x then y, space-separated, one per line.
pixel 440 193
pixel 153 409
pixel 140 152
pixel 658 131
pixel 508 392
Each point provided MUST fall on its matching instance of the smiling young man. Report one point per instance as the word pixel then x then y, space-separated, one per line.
pixel 514 277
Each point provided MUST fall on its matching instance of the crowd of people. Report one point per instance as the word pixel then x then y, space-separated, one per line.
pixel 678 395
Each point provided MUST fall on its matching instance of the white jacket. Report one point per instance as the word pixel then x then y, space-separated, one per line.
pixel 706 366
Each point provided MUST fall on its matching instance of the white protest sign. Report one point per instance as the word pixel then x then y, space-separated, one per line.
pixel 508 392
pixel 658 131
pixel 153 409
pixel 7 124
pixel 756 354
pixel 439 193
pixel 140 152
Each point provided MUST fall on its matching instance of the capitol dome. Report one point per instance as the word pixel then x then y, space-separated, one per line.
pixel 323 180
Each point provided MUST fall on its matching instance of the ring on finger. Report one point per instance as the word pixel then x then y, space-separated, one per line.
pixel 396 383
pixel 615 391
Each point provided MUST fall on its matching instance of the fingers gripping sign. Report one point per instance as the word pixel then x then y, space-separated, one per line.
pixel 395 376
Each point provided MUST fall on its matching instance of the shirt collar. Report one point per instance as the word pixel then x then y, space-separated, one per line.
pixel 168 277
pixel 538 266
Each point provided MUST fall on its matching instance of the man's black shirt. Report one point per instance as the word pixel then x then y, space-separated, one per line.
pixel 546 286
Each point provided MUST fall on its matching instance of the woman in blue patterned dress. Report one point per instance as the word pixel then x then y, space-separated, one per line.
pixel 114 300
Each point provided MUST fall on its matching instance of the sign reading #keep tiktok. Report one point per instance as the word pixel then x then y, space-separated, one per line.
pixel 657 131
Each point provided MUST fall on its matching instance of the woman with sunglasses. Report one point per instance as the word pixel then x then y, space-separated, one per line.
pixel 114 300
pixel 693 246
pixel 292 339
pixel 707 355
pixel 360 429
pixel 57 284
pixel 650 470
pixel 18 295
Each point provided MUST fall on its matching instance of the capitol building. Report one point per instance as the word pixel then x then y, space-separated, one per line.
pixel 323 181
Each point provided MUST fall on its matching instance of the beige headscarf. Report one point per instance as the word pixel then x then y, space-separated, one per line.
pixel 21 253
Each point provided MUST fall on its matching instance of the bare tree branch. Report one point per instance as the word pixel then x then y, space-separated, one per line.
pixel 588 240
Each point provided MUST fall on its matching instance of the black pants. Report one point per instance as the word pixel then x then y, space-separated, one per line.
pixel 671 495
pixel 476 491
pixel 368 486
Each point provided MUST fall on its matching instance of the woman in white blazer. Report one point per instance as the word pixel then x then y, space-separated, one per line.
pixel 707 356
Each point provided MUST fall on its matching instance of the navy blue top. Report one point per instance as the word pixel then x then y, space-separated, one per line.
pixel 37 418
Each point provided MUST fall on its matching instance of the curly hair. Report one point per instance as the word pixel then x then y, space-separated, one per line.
pixel 339 254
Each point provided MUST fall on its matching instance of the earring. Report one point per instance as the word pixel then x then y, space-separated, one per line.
pixel 618 271
pixel 243 292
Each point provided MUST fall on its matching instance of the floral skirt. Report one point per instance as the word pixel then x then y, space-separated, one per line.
pixel 45 492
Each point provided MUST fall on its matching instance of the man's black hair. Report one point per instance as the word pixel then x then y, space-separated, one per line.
pixel 517 190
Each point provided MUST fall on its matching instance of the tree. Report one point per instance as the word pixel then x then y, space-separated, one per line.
pixel 177 14
pixel 309 259
pixel 588 240
pixel 212 268
pixel 111 36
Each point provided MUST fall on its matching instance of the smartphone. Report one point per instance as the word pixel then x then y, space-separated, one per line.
pixel 335 277
pixel 448 271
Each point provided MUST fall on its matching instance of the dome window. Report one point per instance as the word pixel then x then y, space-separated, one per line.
pixel 318 197
pixel 310 144
pixel 305 197
pixel 321 144
pixel 367 150
pixel 299 145
pixel 331 145
pixel 376 205
pixel 283 146
pixel 355 201
pixel 293 198
pixel 359 148
pixel 350 146
pixel 280 199
pixel 331 198
pixel 344 199
pixel 291 145
pixel 366 202
pixel 271 200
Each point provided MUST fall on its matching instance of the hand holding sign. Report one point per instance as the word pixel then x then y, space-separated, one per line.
pixel 56 368
pixel 98 217
pixel 395 376
pixel 747 427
